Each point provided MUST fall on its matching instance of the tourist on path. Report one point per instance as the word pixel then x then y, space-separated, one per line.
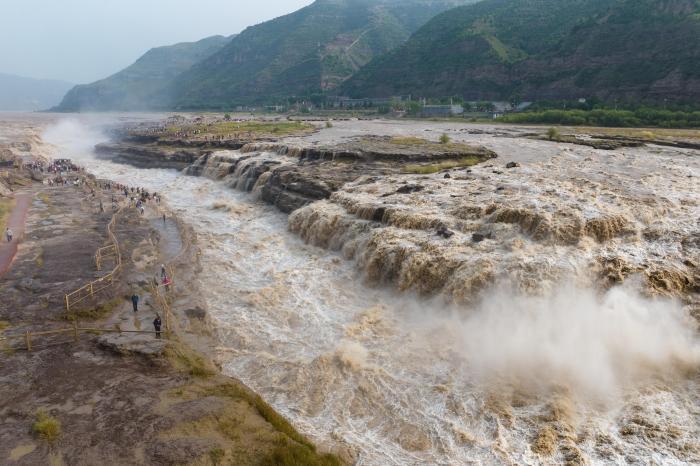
pixel 8 235
pixel 156 325
pixel 135 302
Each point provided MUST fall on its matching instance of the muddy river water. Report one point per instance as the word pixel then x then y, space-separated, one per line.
pixel 572 374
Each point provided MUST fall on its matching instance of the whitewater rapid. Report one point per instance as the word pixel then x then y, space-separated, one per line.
pixel 398 379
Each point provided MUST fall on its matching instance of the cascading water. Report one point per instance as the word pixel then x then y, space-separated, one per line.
pixel 399 379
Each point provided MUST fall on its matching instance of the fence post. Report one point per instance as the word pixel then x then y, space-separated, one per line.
pixel 29 341
pixel 67 304
pixel 90 288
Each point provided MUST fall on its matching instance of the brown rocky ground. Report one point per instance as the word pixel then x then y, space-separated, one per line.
pixel 120 399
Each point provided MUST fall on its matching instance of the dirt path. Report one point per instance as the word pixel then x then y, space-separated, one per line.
pixel 16 223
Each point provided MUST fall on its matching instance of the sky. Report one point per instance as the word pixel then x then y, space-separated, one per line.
pixel 81 41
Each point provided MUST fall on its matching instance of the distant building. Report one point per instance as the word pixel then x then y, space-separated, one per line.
pixel 432 111
pixel 499 107
pixel 346 102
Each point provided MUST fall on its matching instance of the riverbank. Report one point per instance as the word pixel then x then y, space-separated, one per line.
pixel 121 398
pixel 550 248
pixel 394 376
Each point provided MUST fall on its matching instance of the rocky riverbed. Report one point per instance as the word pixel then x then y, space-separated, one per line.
pixel 115 397
pixel 537 306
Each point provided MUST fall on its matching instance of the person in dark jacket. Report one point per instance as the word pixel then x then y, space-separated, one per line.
pixel 135 302
pixel 156 325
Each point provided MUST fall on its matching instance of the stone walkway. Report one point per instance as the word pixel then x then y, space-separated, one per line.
pixel 125 318
pixel 16 223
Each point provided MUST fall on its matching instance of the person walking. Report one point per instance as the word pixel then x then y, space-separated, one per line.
pixel 156 325
pixel 135 302
pixel 8 234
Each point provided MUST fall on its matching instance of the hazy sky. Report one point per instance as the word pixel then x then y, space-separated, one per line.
pixel 85 40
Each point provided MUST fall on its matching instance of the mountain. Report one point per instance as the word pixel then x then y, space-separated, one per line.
pixel 138 86
pixel 306 52
pixel 27 94
pixel 640 50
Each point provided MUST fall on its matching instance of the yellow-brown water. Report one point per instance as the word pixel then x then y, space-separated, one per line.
pixel 547 367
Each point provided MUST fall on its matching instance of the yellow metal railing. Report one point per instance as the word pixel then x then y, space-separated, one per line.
pixel 103 253
pixel 28 336
pixel 102 283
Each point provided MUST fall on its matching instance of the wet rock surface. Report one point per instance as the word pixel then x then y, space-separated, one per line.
pixel 129 345
pixel 149 156
pixel 597 218
pixel 299 174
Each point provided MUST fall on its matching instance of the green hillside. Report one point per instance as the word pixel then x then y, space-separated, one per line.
pixel 626 50
pixel 140 86
pixel 304 53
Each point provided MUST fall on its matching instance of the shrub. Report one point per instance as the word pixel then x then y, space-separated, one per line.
pixel 329 124
pixel 553 134
pixel 444 139
pixel 216 455
pixel 47 427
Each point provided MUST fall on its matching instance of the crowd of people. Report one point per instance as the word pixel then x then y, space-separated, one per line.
pixel 63 172
pixel 57 166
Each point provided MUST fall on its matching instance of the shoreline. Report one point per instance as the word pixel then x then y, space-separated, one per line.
pixel 226 409
pixel 281 339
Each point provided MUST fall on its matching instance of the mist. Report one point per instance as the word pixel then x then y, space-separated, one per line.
pixel 596 345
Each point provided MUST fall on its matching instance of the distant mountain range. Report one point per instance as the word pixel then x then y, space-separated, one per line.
pixel 18 93
pixel 304 53
pixel 141 85
pixel 637 50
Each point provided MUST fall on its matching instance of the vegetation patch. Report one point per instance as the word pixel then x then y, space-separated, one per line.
pixel 445 165
pixel 288 453
pixel 216 455
pixel 187 361
pixel 642 117
pixel 657 133
pixel 408 141
pixel 257 128
pixel 272 440
pixel 443 146
pixel 46 427
pixel 96 313
pixel 238 392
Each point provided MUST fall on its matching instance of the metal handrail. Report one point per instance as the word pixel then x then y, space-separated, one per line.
pixel 89 289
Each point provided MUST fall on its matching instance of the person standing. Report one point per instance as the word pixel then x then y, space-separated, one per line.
pixel 8 234
pixel 156 325
pixel 135 302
